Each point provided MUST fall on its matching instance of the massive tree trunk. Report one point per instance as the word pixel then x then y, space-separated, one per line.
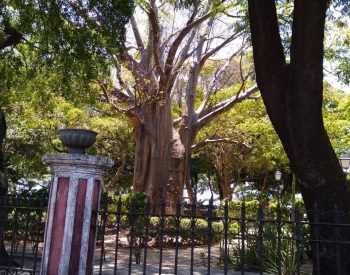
pixel 292 94
pixel 3 191
pixel 159 155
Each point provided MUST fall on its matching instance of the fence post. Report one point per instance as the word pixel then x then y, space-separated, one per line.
pixel 70 232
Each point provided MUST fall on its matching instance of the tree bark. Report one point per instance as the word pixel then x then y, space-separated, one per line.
pixel 223 185
pixel 292 94
pixel 3 191
pixel 159 155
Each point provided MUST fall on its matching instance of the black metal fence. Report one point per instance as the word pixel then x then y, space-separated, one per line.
pixel 22 225
pixel 135 237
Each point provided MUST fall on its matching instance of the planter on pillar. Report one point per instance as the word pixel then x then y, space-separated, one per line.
pixel 70 232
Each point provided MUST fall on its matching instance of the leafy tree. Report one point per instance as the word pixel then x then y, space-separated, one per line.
pixel 170 86
pixel 246 147
pixel 243 146
pixel 61 35
pixel 292 91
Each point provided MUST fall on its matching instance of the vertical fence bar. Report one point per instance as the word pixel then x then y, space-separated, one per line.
pixel 316 246
pixel 3 221
pixel 336 224
pixel 132 218
pixel 104 218
pixel 210 233
pixel 177 232
pixel 27 209
pixel 279 233
pixel 119 214
pixel 260 239
pixel 193 226
pixel 298 239
pixel 14 230
pixel 146 231
pixel 161 235
pixel 225 236
pixel 243 236
pixel 40 228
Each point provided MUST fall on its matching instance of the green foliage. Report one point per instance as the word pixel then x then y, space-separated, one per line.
pixel 250 148
pixel 33 126
pixel 248 218
pixel 47 81
pixel 336 118
pixel 72 41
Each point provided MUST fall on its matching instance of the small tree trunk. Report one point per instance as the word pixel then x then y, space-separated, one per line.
pixel 3 191
pixel 224 190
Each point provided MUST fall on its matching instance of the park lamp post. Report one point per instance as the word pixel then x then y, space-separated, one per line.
pixel 278 176
pixel 344 161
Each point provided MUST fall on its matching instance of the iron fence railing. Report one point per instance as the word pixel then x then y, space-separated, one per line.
pixel 135 237
pixel 22 224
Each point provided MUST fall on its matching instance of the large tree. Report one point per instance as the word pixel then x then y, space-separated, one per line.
pixel 10 38
pixel 172 95
pixel 292 92
pixel 64 38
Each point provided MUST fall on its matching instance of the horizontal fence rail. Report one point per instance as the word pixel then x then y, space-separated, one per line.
pixel 136 237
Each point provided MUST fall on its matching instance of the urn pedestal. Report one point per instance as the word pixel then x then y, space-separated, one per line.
pixel 70 232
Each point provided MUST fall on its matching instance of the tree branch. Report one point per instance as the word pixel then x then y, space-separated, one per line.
pixel 207 141
pixel 182 58
pixel 175 45
pixel 77 8
pixel 218 48
pixel 123 84
pixel 307 45
pixel 137 35
pixel 155 41
pixel 211 89
pixel 267 46
pixel 104 89
pixel 270 66
pixel 13 37
pixel 224 106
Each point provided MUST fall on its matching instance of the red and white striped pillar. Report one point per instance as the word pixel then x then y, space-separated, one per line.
pixel 70 232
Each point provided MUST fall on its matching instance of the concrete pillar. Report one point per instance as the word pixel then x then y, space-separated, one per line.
pixel 70 232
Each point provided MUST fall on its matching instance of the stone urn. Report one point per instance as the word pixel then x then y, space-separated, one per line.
pixel 77 140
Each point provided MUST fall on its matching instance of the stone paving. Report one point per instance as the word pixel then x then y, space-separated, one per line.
pixel 200 261
pixel 168 262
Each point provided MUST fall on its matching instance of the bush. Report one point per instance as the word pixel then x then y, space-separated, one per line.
pixel 272 242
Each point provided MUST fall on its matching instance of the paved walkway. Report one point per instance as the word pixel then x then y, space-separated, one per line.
pixel 200 261
pixel 168 262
